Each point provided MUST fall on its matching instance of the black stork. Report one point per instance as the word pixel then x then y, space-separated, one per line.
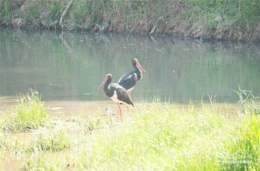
pixel 129 80
pixel 116 93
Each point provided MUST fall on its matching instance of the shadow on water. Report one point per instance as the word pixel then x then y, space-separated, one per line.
pixel 71 66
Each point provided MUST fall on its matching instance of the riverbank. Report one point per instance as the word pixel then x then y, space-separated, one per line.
pixel 220 20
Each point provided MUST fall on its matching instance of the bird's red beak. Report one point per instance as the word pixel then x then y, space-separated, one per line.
pixel 105 80
pixel 139 65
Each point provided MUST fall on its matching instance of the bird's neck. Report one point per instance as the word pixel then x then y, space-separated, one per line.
pixel 107 84
pixel 138 71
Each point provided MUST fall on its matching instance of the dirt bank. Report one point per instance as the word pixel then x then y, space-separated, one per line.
pixel 167 18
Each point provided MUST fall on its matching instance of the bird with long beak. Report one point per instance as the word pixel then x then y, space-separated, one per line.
pixel 129 80
pixel 116 93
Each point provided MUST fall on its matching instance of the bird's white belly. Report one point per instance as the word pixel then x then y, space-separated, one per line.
pixel 114 98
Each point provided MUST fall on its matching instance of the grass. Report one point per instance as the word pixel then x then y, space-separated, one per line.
pixel 162 138
pixel 242 14
pixel 212 13
pixel 28 114
pixel 53 140
pixel 158 136
pixel 244 151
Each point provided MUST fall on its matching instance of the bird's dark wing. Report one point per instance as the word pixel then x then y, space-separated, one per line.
pixel 128 80
pixel 122 95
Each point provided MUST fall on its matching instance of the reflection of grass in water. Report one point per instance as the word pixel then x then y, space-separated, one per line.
pixel 161 136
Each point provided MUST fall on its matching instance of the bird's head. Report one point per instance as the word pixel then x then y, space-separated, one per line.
pixel 107 77
pixel 136 63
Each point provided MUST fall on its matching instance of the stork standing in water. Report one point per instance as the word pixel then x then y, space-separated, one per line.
pixel 129 80
pixel 116 93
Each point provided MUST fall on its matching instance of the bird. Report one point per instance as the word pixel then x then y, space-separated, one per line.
pixel 129 80
pixel 116 93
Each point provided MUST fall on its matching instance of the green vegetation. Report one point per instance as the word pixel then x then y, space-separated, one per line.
pixel 7 8
pixel 213 12
pixel 169 138
pixel 144 16
pixel 250 103
pixel 161 136
pixel 245 149
pixel 28 114
pixel 56 140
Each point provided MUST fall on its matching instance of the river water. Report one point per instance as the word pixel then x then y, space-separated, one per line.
pixel 69 67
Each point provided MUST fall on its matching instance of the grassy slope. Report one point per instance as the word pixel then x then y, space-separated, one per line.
pixel 159 136
pixel 206 19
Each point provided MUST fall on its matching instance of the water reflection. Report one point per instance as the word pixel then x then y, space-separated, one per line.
pixel 70 66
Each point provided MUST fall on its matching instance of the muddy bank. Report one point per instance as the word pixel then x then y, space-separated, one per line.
pixel 29 14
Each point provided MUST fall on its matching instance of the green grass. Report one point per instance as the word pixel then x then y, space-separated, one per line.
pixel 53 140
pixel 28 114
pixel 157 136
pixel 162 138
pixel 244 151
pixel 242 14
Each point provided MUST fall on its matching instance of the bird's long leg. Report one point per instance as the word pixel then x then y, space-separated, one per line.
pixel 127 105
pixel 120 111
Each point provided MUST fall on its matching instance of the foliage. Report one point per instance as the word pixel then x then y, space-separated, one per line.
pixel 53 140
pixel 251 103
pixel 245 13
pixel 243 152
pixel 54 10
pixel 5 11
pixel 31 14
pixel 28 114
pixel 160 136
pixel 8 8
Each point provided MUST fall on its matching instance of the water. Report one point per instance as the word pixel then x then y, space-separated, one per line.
pixel 71 66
